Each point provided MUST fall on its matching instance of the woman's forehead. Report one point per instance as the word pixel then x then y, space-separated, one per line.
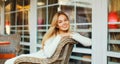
pixel 62 17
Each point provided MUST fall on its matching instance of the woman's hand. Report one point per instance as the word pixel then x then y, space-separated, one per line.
pixel 65 34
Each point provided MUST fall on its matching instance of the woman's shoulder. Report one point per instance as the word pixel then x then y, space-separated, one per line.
pixel 52 38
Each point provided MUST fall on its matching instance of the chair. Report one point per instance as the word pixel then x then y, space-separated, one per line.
pixel 10 50
pixel 61 55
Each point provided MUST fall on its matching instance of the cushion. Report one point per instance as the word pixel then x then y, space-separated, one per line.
pixel 7 55
pixel 4 43
pixel 13 39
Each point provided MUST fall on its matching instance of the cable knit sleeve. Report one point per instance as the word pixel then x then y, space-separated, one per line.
pixel 81 39
pixel 51 45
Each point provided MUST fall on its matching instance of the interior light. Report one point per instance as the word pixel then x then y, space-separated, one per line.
pixel 40 3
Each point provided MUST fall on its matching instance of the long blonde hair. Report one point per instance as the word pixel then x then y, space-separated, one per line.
pixel 53 30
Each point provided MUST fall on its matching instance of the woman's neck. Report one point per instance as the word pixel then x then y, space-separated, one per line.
pixel 64 33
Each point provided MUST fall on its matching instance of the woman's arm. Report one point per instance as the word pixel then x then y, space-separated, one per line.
pixel 51 45
pixel 81 39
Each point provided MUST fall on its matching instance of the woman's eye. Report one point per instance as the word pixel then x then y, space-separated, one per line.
pixel 59 21
pixel 65 20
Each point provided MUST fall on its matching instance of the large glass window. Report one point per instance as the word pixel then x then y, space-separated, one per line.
pixel 114 30
pixel 80 21
pixel 16 13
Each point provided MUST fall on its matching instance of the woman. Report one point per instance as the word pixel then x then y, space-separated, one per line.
pixel 59 28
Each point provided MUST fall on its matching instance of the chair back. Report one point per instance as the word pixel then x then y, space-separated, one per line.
pixel 63 51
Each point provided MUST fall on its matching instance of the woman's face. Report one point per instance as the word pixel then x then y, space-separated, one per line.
pixel 63 23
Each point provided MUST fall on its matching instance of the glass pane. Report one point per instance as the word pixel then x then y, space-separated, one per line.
pixel 83 15
pixel 19 4
pixel 52 1
pixel 7 17
pixel 23 4
pixel 113 60
pixel 10 5
pixel 25 18
pixel 19 18
pixel 25 49
pixel 26 33
pixel 40 36
pixel 41 16
pixel 51 11
pixel 20 28
pixel 79 58
pixel 26 28
pixel 11 18
pixel 26 39
pixel 69 10
pixel 41 2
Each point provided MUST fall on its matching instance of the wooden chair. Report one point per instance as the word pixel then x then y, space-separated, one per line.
pixel 10 48
pixel 61 55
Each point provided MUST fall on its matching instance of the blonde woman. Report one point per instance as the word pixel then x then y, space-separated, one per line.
pixel 59 28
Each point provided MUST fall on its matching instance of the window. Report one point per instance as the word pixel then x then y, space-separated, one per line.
pixel 45 13
pixel 113 31
pixel 16 12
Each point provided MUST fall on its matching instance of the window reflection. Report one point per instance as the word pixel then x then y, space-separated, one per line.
pixel 17 11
